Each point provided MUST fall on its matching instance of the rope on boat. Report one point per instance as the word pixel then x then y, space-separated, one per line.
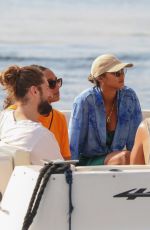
pixel 0 196
pixel 68 173
pixel 43 178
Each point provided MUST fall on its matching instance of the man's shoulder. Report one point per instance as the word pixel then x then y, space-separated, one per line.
pixel 41 131
pixel 6 113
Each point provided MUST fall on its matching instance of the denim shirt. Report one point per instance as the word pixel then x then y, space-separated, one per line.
pixel 87 126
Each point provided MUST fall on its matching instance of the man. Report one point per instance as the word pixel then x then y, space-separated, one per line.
pixel 55 121
pixel 20 127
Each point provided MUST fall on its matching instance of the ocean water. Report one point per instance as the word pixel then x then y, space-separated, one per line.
pixel 67 35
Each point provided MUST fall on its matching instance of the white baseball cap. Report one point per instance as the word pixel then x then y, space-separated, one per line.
pixel 107 63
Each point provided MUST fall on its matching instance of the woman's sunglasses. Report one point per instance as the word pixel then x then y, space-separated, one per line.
pixel 119 73
pixel 53 83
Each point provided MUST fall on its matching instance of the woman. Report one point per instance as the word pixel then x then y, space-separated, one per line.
pixel 56 121
pixel 140 153
pixel 105 118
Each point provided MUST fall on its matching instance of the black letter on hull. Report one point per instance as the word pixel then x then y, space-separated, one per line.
pixel 130 195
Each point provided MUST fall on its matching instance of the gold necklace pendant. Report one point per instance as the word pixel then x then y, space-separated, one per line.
pixel 108 118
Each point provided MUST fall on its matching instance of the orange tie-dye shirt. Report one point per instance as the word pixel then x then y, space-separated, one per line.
pixel 59 129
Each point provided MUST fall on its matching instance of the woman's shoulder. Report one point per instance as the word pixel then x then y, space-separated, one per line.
pixel 84 95
pixel 59 115
pixel 129 92
pixel 127 89
pixel 146 122
pixel 144 125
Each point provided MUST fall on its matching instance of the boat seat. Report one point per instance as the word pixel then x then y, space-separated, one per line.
pixel 10 157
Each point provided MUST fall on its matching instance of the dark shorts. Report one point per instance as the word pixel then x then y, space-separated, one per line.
pixel 94 160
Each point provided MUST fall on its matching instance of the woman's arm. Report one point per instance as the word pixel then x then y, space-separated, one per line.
pixel 135 120
pixel 78 126
pixel 137 153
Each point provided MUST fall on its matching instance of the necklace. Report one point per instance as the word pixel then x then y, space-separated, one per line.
pixel 108 118
pixel 51 120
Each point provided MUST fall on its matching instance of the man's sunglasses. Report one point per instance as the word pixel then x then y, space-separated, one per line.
pixel 119 73
pixel 53 83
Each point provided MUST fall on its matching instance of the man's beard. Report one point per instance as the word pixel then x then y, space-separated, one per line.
pixel 44 108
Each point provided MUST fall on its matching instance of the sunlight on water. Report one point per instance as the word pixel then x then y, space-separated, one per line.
pixel 67 35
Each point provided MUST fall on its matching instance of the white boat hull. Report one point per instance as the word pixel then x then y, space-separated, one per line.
pixel 93 191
